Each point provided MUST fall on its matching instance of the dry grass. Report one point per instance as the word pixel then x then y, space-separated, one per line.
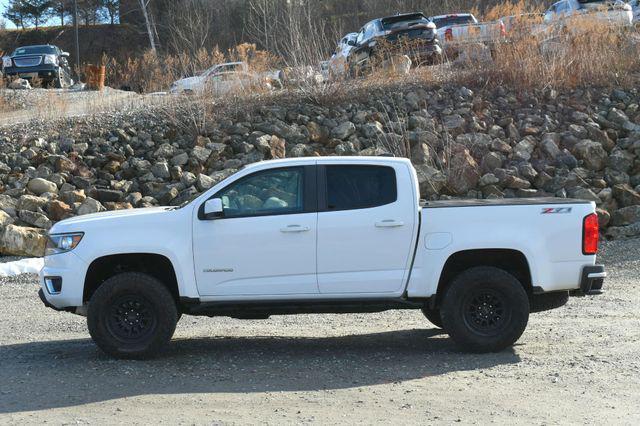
pixel 584 52
pixel 154 73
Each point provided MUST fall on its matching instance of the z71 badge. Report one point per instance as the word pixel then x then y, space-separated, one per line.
pixel 556 210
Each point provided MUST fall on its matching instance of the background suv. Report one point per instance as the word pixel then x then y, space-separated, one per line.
pixel 409 34
pixel 46 62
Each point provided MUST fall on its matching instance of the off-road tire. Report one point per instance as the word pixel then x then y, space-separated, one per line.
pixel 433 315
pixel 485 309
pixel 58 82
pixel 132 316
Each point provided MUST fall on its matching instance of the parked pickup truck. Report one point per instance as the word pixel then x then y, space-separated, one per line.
pixel 321 235
pixel 465 28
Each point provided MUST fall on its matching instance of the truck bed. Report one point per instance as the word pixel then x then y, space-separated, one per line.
pixel 499 202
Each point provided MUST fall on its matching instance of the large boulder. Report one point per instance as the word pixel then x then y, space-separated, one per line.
pixel 39 220
pixel 464 172
pixel 39 186
pixel 90 206
pixel 5 219
pixel 343 131
pixel 22 241
pixel 615 232
pixel 626 216
pixel 625 195
pixel 592 153
pixel 277 147
pixel 430 180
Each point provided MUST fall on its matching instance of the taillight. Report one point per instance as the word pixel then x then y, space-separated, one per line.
pixel 448 34
pixel 590 234
pixel 503 29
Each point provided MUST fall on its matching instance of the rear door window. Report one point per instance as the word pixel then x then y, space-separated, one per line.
pixel 360 187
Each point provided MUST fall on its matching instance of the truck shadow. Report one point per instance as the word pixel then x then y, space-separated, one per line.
pixel 64 373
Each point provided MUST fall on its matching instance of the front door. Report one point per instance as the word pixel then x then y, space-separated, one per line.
pixel 265 242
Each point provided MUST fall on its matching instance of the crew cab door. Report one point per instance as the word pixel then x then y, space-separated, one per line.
pixel 264 242
pixel 367 222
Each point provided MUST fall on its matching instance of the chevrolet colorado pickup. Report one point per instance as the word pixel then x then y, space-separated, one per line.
pixel 322 235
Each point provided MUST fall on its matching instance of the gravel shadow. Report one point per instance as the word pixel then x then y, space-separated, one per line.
pixel 65 373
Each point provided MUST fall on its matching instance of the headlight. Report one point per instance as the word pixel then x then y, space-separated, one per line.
pixel 51 59
pixel 6 62
pixel 431 26
pixel 62 243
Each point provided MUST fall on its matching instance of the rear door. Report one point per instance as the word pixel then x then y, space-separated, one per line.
pixel 366 224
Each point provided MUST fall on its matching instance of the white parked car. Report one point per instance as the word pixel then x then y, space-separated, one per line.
pixel 322 235
pixel 615 12
pixel 225 78
pixel 339 62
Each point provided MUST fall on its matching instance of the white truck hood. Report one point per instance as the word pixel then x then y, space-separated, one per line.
pixel 118 218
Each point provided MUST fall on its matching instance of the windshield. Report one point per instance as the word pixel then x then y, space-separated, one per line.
pixel 449 21
pixel 217 69
pixel 35 50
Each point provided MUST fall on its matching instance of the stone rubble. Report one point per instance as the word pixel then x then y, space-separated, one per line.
pixel 489 143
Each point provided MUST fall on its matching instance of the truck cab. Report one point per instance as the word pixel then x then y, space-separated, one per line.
pixel 330 234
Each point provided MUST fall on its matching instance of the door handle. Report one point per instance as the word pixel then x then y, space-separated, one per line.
pixel 295 228
pixel 389 223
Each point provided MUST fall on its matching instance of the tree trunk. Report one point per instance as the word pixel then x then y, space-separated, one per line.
pixel 147 21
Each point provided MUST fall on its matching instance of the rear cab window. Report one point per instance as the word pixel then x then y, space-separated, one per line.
pixel 359 187
pixel 449 21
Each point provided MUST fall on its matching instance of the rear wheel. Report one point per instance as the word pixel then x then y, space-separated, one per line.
pixel 485 309
pixel 132 315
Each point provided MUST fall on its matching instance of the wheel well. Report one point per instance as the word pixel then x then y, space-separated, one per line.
pixel 156 265
pixel 511 261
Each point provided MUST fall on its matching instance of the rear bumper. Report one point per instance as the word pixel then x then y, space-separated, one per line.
pixel 592 281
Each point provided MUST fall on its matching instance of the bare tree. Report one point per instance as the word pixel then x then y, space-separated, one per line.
pixel 190 26
pixel 144 7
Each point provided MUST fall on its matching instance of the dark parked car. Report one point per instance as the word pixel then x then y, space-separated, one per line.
pixel 410 34
pixel 46 62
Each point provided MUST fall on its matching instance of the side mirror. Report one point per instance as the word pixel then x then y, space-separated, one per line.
pixel 65 54
pixel 213 208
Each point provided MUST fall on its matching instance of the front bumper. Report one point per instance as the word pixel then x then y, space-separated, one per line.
pixel 43 71
pixel 71 271
pixel 592 281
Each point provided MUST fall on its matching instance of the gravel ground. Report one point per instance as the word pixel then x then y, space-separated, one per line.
pixel 575 365
pixel 22 106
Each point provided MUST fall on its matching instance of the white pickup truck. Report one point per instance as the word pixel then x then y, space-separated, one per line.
pixel 459 28
pixel 322 235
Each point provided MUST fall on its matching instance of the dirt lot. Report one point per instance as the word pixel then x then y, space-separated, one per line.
pixel 579 364
pixel 21 106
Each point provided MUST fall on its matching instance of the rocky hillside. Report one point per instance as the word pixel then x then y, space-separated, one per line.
pixel 484 144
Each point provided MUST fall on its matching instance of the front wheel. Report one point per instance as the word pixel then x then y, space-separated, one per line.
pixel 433 315
pixel 132 315
pixel 485 309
